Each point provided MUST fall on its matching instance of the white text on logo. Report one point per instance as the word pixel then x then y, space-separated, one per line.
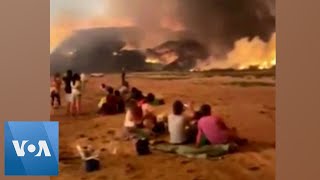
pixel 42 144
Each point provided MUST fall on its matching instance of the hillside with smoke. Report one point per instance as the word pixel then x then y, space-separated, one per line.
pixel 177 34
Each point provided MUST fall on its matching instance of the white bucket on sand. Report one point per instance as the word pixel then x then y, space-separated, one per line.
pixel 88 153
pixel 90 158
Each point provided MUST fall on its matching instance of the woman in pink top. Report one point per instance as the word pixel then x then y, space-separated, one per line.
pixel 212 129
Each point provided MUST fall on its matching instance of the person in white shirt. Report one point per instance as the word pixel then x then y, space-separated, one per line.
pixel 76 94
pixel 177 124
pixel 180 123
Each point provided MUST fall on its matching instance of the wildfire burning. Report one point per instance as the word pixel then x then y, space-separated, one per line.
pixel 164 59
pixel 246 54
pixel 153 60
pixel 65 27
pixel 170 24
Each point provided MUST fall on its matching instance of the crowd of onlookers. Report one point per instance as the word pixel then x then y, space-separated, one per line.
pixel 184 124
pixel 73 86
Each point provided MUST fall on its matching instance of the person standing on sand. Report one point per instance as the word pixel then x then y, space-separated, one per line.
pixel 123 76
pixel 68 89
pixel 84 80
pixel 55 88
pixel 76 94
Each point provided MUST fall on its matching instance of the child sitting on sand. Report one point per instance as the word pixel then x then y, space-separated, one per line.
pixel 133 120
pixel 149 118
pixel 138 125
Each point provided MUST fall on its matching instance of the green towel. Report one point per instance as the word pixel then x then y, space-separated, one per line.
pixel 157 102
pixel 193 152
pixel 139 133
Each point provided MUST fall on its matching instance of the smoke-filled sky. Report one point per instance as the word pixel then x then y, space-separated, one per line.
pixel 80 9
pixel 143 13
pixel 216 23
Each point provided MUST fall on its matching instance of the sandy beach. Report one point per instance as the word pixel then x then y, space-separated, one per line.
pixel 245 103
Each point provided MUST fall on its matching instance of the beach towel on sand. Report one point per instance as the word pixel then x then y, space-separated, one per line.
pixel 193 152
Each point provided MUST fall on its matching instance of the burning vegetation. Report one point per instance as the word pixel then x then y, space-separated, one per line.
pixel 246 54
pixel 107 49
pixel 231 35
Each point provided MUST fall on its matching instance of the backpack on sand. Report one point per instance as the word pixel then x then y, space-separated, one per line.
pixel 142 146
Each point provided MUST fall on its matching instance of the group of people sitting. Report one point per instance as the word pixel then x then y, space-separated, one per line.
pixel 184 124
pixel 116 101
pixel 73 85
pixel 140 116
pixel 112 103
pixel 200 127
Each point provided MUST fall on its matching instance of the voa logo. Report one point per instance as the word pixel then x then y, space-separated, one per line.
pixel 31 148
pixel 41 148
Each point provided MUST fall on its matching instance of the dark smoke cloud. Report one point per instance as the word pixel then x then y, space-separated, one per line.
pixel 146 15
pixel 218 23
pixel 222 22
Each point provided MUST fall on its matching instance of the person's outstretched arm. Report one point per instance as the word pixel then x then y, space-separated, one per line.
pixel 189 114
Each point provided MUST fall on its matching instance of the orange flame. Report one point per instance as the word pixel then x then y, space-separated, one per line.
pixel 164 59
pixel 245 55
pixel 152 60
